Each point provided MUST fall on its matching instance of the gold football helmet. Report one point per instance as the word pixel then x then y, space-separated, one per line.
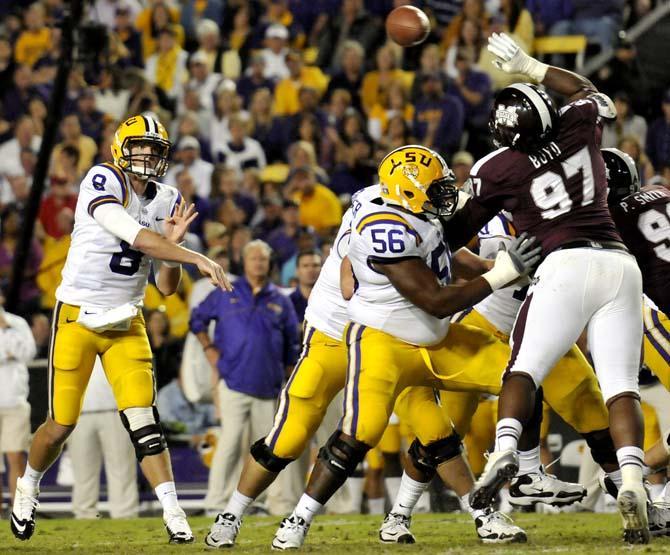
pixel 418 179
pixel 137 133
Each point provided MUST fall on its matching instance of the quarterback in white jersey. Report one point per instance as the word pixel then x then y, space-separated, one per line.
pixel 124 219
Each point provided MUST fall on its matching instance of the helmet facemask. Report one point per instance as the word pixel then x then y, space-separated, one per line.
pixel 442 196
pixel 151 163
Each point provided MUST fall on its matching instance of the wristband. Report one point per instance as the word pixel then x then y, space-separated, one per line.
pixel 173 264
pixel 536 70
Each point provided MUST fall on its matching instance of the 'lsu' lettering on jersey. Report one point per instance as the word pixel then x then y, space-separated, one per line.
pixel 101 270
pixel 382 232
pixel 501 307
pixel 327 309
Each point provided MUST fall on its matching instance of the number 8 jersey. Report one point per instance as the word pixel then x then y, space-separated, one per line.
pixel 383 233
pixel 101 270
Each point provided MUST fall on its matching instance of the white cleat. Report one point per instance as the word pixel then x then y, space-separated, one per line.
pixel 659 518
pixel 177 526
pixel 501 467
pixel 632 503
pixel 22 519
pixel 395 529
pixel 291 533
pixel 497 527
pixel 526 490
pixel 224 531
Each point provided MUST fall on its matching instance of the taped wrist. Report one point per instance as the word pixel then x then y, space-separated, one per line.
pixel 502 273
pixel 535 69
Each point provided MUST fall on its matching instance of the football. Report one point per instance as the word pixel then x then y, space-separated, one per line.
pixel 407 26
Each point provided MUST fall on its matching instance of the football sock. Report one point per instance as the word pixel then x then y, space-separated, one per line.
pixel 529 461
pixel 31 478
pixel 376 505
pixel 167 495
pixel 423 504
pixel 237 504
pixel 392 486
pixel 307 508
pixel 616 478
pixel 631 460
pixel 465 506
pixel 408 495
pixel 355 487
pixel 508 432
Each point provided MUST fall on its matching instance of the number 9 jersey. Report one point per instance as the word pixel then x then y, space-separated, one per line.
pixel 101 270
pixel 383 233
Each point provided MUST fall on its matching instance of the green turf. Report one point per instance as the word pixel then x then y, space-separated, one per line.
pixel 564 533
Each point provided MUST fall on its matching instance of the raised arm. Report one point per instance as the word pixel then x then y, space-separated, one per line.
pixel 512 59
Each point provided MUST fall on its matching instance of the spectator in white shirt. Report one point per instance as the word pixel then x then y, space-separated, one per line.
pixel 103 11
pixel 100 436
pixel 10 156
pixel 240 152
pixel 203 80
pixel 17 348
pixel 188 158
pixel 274 53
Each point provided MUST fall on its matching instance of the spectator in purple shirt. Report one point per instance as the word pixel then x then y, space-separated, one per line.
pixel 253 79
pixel 254 348
pixel 283 239
pixel 473 89
pixel 548 12
pixel 438 118
pixel 29 295
pixel 17 97
pixel 658 136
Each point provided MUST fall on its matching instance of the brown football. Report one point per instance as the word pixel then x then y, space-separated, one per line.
pixel 407 26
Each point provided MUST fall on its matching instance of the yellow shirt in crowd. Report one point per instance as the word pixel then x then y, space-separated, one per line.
pixel 49 275
pixel 31 46
pixel 320 209
pixel 287 90
pixel 176 306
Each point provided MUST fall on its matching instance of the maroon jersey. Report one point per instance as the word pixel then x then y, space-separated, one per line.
pixel 559 193
pixel 643 220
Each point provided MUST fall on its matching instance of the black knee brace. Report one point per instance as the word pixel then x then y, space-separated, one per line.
pixel 264 456
pixel 602 447
pixel 147 440
pixel 342 456
pixel 428 457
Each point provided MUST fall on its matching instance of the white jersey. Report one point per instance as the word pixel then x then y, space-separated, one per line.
pixel 101 270
pixel 501 307
pixel 381 232
pixel 327 309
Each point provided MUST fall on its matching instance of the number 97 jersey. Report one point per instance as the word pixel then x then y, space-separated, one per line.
pixel 101 270
pixel 381 233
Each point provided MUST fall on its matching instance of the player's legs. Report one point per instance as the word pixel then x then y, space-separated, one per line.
pixel 72 351
pixel 127 362
pixel 303 402
pixel 379 367
pixel 657 343
pixel 615 339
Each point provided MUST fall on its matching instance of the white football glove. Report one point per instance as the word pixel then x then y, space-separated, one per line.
pixel 511 58
pixel 517 259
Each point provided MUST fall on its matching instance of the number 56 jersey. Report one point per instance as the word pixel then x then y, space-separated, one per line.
pixel 385 234
pixel 101 270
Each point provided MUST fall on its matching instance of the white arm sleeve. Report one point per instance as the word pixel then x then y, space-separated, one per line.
pixel 117 221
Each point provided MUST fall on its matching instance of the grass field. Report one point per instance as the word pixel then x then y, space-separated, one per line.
pixel 436 533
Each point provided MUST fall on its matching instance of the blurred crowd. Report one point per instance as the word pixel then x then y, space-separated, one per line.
pixel 278 111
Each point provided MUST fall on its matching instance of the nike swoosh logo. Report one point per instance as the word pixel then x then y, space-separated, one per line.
pixel 159 219
pixel 68 321
pixel 20 527
pixel 88 313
